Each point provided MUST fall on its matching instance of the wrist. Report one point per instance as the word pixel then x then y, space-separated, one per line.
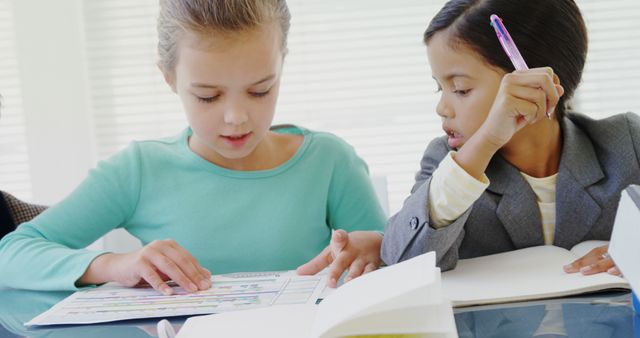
pixel 488 142
pixel 474 156
pixel 98 271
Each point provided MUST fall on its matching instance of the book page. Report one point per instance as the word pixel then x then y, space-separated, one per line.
pixel 392 288
pixel 402 298
pixel 525 274
pixel 287 321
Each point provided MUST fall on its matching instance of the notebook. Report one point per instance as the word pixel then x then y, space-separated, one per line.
pixel 526 274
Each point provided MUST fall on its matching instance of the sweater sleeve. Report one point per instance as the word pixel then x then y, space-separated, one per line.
pixel 452 192
pixel 47 253
pixel 353 204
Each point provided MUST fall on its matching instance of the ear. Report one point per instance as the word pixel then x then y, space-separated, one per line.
pixel 169 77
pixel 556 82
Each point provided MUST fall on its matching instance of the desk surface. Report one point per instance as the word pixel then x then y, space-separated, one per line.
pixel 601 316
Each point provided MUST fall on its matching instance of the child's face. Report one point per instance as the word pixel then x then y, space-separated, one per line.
pixel 229 88
pixel 468 87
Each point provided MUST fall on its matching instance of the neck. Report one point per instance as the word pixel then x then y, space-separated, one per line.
pixel 535 150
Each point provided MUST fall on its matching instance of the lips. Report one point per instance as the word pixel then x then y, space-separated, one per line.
pixel 236 140
pixel 235 137
pixel 455 139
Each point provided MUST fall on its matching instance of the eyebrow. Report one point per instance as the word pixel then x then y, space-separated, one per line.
pixel 205 85
pixel 454 75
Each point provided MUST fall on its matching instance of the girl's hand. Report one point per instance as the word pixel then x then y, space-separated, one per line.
pixel 524 97
pixel 358 252
pixel 596 261
pixel 154 264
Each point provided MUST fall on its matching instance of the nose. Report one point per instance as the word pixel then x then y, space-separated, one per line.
pixel 443 109
pixel 235 114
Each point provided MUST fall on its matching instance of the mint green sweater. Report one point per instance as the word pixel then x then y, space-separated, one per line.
pixel 229 220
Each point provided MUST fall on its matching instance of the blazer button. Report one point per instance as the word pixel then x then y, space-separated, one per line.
pixel 413 223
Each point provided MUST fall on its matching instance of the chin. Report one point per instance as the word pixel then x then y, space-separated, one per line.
pixel 236 154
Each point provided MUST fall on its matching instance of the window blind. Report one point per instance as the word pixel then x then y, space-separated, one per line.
pixel 14 160
pixel 129 97
pixel 611 81
pixel 355 68
pixel 359 69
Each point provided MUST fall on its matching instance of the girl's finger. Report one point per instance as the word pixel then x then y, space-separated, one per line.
pixel 614 271
pixel 356 269
pixel 152 278
pixel 167 266
pixel 338 267
pixel 370 267
pixel 531 95
pixel 597 267
pixel 315 265
pixel 540 80
pixel 339 240
pixel 189 265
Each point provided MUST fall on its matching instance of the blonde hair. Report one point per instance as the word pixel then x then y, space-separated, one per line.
pixel 209 17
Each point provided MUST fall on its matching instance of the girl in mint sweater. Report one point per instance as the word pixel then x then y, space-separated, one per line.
pixel 227 194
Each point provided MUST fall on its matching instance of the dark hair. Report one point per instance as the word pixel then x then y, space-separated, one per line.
pixel 547 32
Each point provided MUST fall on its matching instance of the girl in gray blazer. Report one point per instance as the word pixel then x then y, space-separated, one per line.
pixel 516 168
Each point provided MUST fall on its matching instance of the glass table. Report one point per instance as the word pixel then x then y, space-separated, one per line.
pixel 600 315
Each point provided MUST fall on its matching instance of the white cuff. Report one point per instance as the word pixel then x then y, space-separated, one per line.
pixel 452 191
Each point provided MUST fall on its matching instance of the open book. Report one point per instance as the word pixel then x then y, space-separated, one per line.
pixel 525 274
pixel 405 298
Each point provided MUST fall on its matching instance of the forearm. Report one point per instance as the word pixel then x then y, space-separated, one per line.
pixel 452 192
pixel 474 156
pixel 28 261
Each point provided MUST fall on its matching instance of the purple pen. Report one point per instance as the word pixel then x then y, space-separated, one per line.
pixel 507 43
pixel 509 46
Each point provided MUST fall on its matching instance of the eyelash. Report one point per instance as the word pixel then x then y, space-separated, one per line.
pixel 457 92
pixel 462 92
pixel 261 94
pixel 214 98
pixel 207 99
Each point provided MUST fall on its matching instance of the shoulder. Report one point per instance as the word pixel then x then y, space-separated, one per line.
pixel 328 144
pixel 615 139
pixel 157 148
pixel 618 132
pixel 136 153
pixel 607 127
pixel 161 145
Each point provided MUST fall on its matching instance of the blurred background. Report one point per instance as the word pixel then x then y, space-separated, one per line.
pixel 79 82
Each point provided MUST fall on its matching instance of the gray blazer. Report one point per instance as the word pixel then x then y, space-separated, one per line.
pixel 599 159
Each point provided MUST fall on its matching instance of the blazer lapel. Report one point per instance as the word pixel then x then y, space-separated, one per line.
pixel 576 210
pixel 518 208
